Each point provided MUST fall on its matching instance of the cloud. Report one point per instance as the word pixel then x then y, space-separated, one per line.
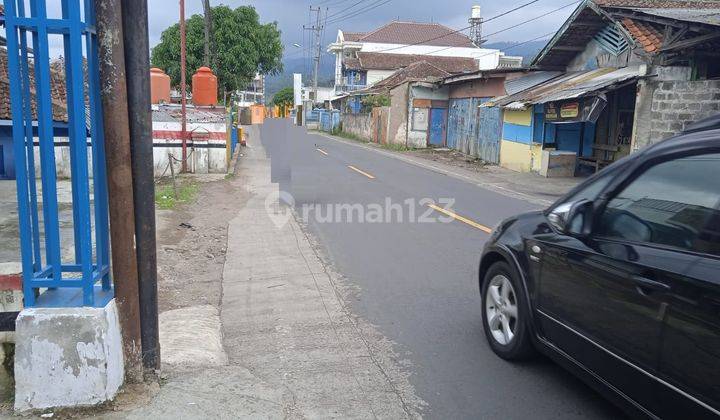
pixel 291 15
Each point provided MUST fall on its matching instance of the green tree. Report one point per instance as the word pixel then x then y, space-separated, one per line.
pixel 285 96
pixel 240 47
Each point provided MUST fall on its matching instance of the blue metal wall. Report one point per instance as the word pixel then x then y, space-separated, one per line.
pixel 474 130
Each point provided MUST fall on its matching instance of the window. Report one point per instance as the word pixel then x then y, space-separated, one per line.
pixel 674 203
pixel 419 119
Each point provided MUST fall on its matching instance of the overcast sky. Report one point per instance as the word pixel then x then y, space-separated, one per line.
pixel 292 14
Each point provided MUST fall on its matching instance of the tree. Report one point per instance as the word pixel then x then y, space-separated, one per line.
pixel 285 96
pixel 240 47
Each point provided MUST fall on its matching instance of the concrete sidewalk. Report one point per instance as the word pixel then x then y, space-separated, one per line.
pixel 285 320
pixel 290 346
pixel 525 186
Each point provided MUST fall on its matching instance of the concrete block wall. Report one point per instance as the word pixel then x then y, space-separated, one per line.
pixel 359 125
pixel 676 104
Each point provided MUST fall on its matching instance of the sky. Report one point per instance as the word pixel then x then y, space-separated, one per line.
pixel 291 15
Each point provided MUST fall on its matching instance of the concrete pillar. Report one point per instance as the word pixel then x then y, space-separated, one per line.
pixel 67 357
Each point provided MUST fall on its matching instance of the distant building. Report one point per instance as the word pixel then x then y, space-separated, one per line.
pixel 363 59
pixel 254 93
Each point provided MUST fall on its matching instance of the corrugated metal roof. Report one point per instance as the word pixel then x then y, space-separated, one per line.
pixel 706 16
pixel 172 113
pixel 571 85
pixel 531 79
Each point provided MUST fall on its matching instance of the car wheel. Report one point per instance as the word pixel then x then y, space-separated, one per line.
pixel 505 317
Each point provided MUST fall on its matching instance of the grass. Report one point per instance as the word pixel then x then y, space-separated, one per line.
pixel 390 146
pixel 165 196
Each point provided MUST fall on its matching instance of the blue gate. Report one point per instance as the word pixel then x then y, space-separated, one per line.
pixel 70 281
pixel 473 129
pixel 488 146
pixel 438 124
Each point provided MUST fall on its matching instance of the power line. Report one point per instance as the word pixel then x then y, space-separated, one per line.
pixel 357 3
pixel 514 26
pixel 369 7
pixel 462 29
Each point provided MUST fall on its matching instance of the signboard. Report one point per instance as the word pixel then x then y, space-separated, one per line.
pixel 570 110
pixel 551 112
pixel 585 109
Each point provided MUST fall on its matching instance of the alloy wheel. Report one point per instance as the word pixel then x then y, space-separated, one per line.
pixel 501 306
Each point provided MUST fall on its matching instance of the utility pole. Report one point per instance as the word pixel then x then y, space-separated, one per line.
pixel 208 31
pixel 183 90
pixel 137 72
pixel 317 28
pixel 118 160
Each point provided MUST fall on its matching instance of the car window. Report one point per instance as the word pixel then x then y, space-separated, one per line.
pixel 674 203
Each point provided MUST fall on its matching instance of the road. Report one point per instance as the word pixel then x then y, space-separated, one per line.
pixel 417 282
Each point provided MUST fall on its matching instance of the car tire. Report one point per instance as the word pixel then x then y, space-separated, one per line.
pixel 504 305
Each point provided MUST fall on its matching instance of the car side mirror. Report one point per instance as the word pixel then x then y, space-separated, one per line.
pixel 574 219
pixel 579 221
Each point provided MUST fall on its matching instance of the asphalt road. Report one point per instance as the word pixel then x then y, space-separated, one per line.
pixel 418 281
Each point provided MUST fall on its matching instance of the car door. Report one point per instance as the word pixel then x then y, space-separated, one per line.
pixel 605 299
pixel 690 352
pixel 593 307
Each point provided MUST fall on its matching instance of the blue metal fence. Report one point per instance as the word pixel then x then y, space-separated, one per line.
pixel 73 282
pixel 329 120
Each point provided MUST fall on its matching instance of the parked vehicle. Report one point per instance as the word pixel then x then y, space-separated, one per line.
pixel 619 281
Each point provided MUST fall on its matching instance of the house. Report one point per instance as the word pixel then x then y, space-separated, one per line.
pixel 415 102
pixel 59 118
pixel 475 129
pixel 363 59
pixel 631 72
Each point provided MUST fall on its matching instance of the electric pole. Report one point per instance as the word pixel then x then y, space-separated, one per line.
pixel 317 28
pixel 208 31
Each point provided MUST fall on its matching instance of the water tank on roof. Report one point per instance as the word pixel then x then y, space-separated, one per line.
pixel 159 86
pixel 204 87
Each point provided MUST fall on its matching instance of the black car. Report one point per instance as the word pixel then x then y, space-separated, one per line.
pixel 619 281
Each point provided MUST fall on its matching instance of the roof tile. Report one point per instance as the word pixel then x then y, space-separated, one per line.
pixel 57 88
pixel 664 4
pixel 386 61
pixel 418 34
pixel 646 35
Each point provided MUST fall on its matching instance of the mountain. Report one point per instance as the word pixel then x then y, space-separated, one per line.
pixel 304 66
pixel 295 64
pixel 528 51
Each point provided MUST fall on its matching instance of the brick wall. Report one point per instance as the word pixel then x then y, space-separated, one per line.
pixel 675 105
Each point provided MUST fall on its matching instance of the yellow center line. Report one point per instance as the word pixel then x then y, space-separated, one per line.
pixel 361 172
pixel 321 151
pixel 460 218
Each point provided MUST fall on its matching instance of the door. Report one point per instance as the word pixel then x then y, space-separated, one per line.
pixel 638 302
pixel 438 126
pixel 593 307
pixel 489 133
pixel 686 214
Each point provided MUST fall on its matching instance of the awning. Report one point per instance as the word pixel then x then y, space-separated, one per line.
pixel 572 85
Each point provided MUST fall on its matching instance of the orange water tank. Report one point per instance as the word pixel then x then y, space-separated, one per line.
pixel 159 86
pixel 204 87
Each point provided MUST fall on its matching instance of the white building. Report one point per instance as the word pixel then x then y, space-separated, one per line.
pixel 363 59
pixel 254 93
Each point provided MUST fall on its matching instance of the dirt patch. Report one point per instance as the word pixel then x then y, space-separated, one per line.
pixel 451 157
pixel 192 243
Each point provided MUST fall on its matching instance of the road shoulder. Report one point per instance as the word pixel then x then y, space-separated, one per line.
pixel 529 187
